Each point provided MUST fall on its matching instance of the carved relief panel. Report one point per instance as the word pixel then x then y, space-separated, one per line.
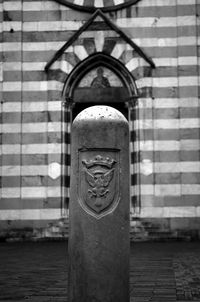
pixel 99 181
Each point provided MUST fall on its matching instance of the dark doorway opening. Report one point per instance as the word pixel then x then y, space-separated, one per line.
pixel 78 107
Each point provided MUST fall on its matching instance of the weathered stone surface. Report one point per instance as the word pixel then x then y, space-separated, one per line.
pixel 99 207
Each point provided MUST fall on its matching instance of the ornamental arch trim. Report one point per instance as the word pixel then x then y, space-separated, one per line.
pixel 95 60
pixel 105 5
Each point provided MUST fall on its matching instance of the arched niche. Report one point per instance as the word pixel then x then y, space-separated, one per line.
pixel 100 80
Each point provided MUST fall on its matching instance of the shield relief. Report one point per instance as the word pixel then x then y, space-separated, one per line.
pixel 99 181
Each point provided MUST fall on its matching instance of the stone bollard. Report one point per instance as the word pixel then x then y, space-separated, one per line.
pixel 99 207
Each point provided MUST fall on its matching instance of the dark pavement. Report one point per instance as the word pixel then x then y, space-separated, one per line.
pixel 159 272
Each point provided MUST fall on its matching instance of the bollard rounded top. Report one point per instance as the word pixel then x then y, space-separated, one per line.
pixel 100 112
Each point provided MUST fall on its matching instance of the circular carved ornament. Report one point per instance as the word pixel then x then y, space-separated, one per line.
pixel 92 5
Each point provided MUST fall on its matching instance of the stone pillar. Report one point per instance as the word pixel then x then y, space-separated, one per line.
pixel 99 207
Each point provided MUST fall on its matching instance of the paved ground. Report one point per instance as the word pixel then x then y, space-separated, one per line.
pixel 160 272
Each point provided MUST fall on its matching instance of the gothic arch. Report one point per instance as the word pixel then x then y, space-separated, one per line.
pixel 96 60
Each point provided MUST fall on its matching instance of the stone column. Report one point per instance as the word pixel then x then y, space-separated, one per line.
pixel 99 207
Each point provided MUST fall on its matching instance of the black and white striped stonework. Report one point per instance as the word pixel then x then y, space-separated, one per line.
pixel 164 125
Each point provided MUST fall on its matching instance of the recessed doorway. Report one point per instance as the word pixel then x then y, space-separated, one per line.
pixel 98 80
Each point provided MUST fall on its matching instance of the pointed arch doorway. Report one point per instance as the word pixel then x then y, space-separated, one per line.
pixel 99 80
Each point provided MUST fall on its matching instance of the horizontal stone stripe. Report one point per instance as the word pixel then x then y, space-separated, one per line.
pixel 167 82
pixel 31 149
pixel 145 22
pixel 163 92
pixel 147 212
pixel 169 201
pixel 29 192
pixel 145 114
pixel 166 39
pixel 30 203
pixel 170 145
pixel 32 127
pixel 189 20
pixel 35 138
pixel 164 33
pixel 144 82
pixel 43 179
pixel 51 16
pixel 190 178
pixel 166 156
pixel 138 33
pixel 30 181
pixel 38 36
pixel 45 117
pixel 24 170
pixel 167 178
pixel 12 66
pixel 149 145
pixel 146 103
pixel 31 159
pixel 48 15
pixel 162 115
pixel 156 156
pixel 168 102
pixel 31 106
pixel 32 96
pixel 189 92
pixel 35 71
pixel 169 189
pixel 162 62
pixel 32 86
pixel 42 25
pixel 39 75
pixel 161 52
pixel 29 56
pixel 29 118
pixel 145 167
pixel 159 72
pixel 167 167
pixel 34 46
pixel 71 15
pixel 140 41
pixel 133 33
pixel 32 6
pixel 182 123
pixel 147 201
pixel 170 52
pixel 165 3
pixel 28 136
pixel 31 214
pixel 161 126
pixel 168 212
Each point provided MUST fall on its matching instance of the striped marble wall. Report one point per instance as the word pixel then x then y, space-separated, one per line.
pixel 164 124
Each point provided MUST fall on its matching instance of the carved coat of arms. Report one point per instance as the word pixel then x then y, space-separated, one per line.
pixel 99 183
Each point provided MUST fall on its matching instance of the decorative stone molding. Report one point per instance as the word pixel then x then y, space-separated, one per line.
pixel 92 5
